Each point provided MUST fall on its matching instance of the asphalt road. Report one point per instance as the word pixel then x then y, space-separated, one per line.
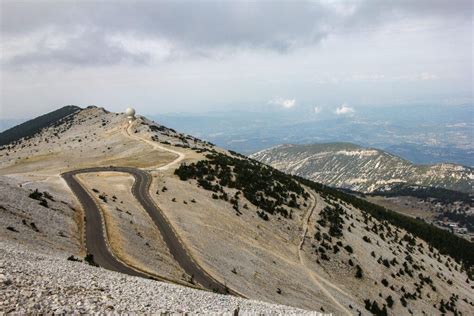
pixel 95 235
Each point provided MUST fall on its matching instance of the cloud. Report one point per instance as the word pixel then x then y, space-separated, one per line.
pixel 204 28
pixel 344 110
pixel 379 12
pixel 286 103
pixel 427 76
pixel 192 28
pixel 83 48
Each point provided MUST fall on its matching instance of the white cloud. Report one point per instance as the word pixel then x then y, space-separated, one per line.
pixel 344 110
pixel 286 103
pixel 427 76
pixel 52 51
pixel 317 109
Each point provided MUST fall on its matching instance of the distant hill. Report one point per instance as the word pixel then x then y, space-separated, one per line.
pixel 350 166
pixel 31 127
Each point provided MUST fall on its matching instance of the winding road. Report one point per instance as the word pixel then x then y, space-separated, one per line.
pixel 96 242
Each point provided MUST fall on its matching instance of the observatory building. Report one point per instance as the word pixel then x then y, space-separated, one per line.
pixel 130 112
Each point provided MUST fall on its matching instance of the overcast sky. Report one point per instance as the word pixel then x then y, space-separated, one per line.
pixel 201 56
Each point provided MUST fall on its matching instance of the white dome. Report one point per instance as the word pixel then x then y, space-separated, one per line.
pixel 130 111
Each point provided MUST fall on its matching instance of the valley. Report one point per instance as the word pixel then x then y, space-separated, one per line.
pixel 456 216
pixel 444 136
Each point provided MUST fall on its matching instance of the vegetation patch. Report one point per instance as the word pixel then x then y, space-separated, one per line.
pixel 13 229
pixel 464 219
pixel 374 308
pixel 447 243
pixel 72 258
pixel 268 189
pixel 438 194
pixel 89 258
pixel 36 195
pixel 332 216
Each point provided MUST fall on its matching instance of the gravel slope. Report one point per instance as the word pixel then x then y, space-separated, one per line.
pixel 37 283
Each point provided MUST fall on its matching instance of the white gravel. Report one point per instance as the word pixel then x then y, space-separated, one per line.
pixel 37 283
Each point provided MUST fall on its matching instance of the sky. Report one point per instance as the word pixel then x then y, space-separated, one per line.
pixel 189 56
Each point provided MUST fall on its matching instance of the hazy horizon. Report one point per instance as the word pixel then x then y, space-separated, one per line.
pixel 445 134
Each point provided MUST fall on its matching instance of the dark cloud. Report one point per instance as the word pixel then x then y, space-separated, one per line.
pixel 276 25
pixel 197 26
pixel 89 48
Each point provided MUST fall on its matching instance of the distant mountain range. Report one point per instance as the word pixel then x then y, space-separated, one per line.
pixel 350 166
pixel 444 134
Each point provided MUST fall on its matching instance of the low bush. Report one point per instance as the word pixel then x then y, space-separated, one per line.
pixel 89 258
pixel 268 189
pixel 72 258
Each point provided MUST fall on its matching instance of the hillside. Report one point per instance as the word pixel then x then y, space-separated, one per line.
pixel 31 127
pixel 263 234
pixel 349 166
pixel 97 291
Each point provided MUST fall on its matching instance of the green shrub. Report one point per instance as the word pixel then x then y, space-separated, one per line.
pixel 36 195
pixel 359 274
pixel 333 216
pixel 72 258
pixel 390 301
pixel 266 188
pixel 348 249
pixel 89 258
pixel 446 242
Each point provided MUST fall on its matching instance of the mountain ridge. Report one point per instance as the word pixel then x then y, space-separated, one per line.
pixel 30 127
pixel 364 169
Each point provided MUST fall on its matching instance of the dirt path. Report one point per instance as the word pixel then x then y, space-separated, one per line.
pixel 306 222
pixel 154 145
pixel 318 280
